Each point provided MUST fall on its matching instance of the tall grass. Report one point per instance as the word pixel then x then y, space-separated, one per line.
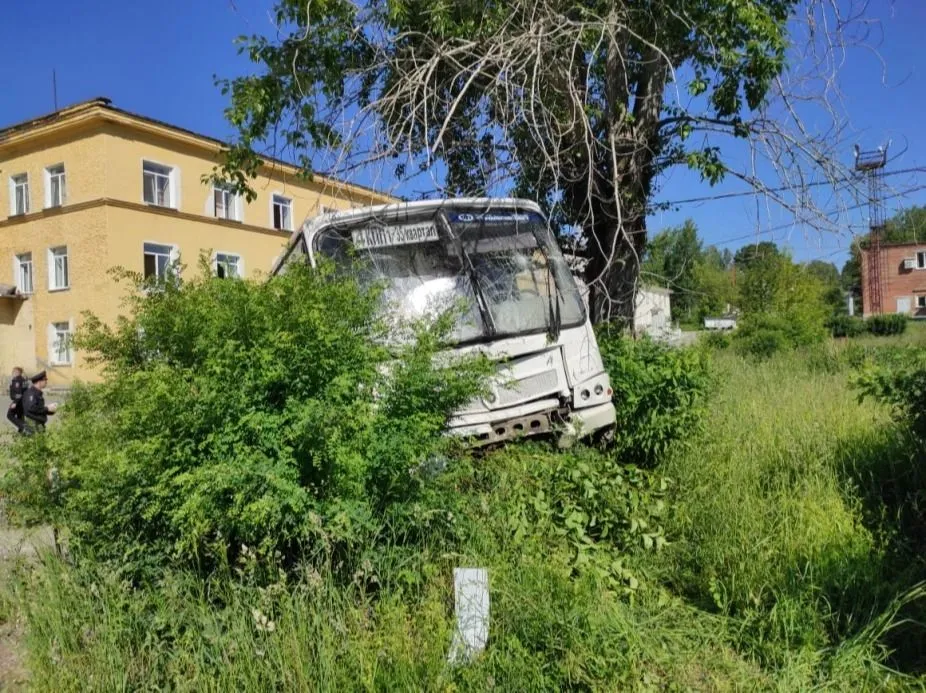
pixel 785 570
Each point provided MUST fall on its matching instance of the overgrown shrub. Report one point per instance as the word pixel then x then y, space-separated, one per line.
pixel 763 334
pixel 237 413
pixel 886 325
pixel 899 380
pixel 659 393
pixel 846 326
pixel 717 340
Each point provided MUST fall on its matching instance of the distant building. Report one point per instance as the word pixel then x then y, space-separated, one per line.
pixel 92 187
pixel 653 311
pixel 895 274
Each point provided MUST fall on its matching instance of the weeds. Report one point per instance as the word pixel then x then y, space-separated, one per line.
pixel 780 548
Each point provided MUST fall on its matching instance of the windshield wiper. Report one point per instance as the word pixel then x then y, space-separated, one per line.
pixel 481 301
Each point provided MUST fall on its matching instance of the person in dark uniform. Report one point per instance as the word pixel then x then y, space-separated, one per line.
pixel 14 412
pixel 34 410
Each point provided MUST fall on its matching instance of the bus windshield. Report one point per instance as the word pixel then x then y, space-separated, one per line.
pixel 502 272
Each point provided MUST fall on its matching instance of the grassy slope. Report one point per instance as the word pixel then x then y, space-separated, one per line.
pixel 779 560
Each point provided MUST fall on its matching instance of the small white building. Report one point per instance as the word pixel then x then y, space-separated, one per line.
pixel 653 311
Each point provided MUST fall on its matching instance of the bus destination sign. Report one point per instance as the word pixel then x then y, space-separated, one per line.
pixel 383 236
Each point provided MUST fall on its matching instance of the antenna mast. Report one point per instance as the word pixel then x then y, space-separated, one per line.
pixel 872 164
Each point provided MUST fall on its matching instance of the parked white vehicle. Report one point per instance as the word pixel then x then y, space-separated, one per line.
pixel 498 259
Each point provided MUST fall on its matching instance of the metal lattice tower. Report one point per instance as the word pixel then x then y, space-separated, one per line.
pixel 871 164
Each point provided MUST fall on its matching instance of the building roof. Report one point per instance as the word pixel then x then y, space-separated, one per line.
pixel 102 107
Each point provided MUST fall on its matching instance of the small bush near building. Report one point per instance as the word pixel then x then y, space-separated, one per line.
pixel 716 340
pixel 764 334
pixel 886 325
pixel 846 326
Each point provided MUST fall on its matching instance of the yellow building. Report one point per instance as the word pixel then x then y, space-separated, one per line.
pixel 92 187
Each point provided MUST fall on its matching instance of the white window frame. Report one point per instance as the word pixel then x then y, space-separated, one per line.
pixel 54 337
pixel 921 259
pixel 20 259
pixel 233 203
pixel 173 183
pixel 225 253
pixel 173 255
pixel 53 254
pixel 56 171
pixel 17 180
pixel 273 203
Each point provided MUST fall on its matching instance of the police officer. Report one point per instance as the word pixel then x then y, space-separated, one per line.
pixel 14 412
pixel 34 409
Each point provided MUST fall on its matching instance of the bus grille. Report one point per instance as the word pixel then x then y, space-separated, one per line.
pixel 528 388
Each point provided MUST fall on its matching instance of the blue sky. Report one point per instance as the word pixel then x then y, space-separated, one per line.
pixel 159 59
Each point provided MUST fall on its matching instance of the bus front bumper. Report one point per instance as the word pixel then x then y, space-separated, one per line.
pixel 571 424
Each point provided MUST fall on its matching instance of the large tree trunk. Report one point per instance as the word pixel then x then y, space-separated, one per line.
pixel 613 271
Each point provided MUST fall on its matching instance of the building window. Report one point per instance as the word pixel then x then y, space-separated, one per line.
pixel 59 349
pixel 55 186
pixel 58 274
pixel 23 273
pixel 921 260
pixel 227 266
pixel 156 183
pixel 282 213
pixel 226 204
pixel 921 301
pixel 157 260
pixel 19 194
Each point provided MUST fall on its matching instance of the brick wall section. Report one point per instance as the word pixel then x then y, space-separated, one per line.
pixel 898 284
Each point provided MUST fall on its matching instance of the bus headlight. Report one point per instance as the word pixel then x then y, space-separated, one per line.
pixel 593 391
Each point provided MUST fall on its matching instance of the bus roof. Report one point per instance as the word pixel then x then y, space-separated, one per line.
pixel 398 209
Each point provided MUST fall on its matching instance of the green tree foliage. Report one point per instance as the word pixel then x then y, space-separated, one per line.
pixel 566 101
pixel 784 305
pixel 235 413
pixel 754 253
pixel 672 260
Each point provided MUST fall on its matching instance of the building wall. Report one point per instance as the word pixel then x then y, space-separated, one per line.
pixel 897 283
pixel 104 222
pixel 652 310
pixel 17 343
pixel 83 230
pixel 82 153
pixel 127 148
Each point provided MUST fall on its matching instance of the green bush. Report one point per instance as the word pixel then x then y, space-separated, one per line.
pixel 238 413
pixel 898 379
pixel 886 325
pixel 763 334
pixel 659 393
pixel 716 340
pixel 846 326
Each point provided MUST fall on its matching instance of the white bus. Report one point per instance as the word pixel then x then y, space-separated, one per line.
pixel 497 261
